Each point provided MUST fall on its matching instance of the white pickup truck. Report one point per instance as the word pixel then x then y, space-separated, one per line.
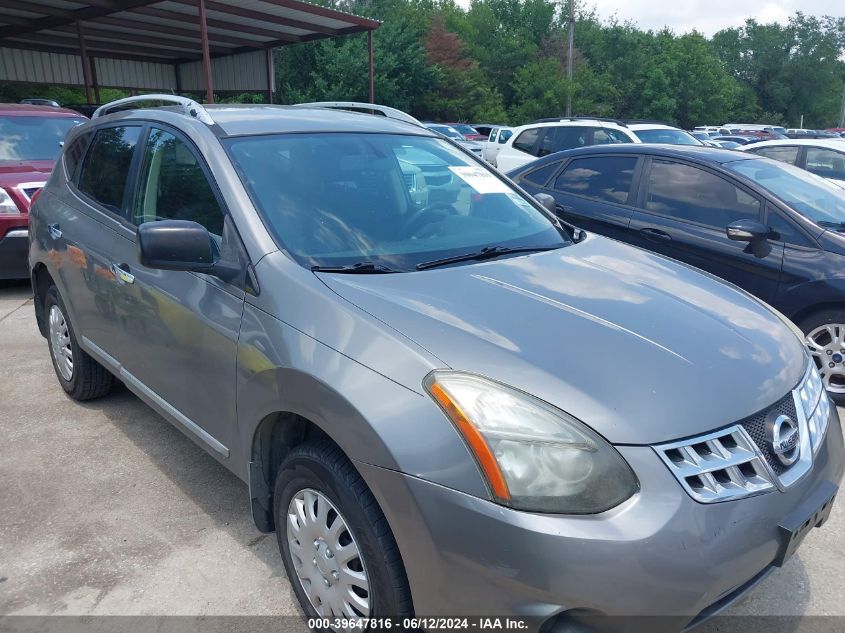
pixel 490 148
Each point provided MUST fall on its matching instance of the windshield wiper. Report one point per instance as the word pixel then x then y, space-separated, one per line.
pixel 488 252
pixel 368 268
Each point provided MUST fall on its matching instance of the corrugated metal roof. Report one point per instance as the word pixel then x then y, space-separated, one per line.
pixel 168 30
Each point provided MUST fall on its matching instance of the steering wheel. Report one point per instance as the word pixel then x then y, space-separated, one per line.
pixel 418 218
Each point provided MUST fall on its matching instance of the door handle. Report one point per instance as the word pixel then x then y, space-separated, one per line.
pixel 54 231
pixel 655 234
pixel 122 275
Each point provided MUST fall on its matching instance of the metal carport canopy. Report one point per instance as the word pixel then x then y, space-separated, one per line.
pixel 175 45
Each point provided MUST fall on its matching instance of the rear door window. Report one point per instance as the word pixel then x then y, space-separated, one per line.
pixel 564 137
pixel 526 140
pixel 504 135
pixel 106 166
pixel 605 178
pixel 784 153
pixel 692 194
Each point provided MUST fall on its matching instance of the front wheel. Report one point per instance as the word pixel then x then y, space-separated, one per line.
pixel 80 376
pixel 824 334
pixel 338 550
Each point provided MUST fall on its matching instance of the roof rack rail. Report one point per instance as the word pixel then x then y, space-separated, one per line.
pixel 648 122
pixel 365 108
pixel 581 118
pixel 189 107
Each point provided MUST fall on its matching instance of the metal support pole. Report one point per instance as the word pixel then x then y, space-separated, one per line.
pixel 206 56
pixel 371 66
pixel 86 68
pixel 842 111
pixel 94 81
pixel 271 76
pixel 571 4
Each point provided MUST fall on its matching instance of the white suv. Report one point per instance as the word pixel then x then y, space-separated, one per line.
pixel 554 135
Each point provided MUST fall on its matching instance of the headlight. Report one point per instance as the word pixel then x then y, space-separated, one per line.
pixel 534 457
pixel 815 404
pixel 7 205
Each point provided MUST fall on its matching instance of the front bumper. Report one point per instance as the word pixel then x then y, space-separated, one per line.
pixel 13 254
pixel 658 554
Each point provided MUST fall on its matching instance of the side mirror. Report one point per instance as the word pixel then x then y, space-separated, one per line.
pixel 181 245
pixel 747 231
pixel 547 201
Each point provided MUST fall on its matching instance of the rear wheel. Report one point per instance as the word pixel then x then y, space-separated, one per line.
pixel 339 553
pixel 80 376
pixel 824 334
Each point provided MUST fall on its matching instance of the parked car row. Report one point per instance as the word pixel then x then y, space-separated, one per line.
pixel 799 133
pixel 549 136
pixel 444 399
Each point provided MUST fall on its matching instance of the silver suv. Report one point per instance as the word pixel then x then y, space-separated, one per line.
pixel 445 404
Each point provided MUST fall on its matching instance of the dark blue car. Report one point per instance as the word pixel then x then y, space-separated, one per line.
pixel 770 228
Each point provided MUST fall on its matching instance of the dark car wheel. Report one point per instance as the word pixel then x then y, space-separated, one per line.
pixel 337 547
pixel 824 333
pixel 80 376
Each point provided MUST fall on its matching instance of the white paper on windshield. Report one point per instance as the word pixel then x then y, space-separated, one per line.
pixel 480 179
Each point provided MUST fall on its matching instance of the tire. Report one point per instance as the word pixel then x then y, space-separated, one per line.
pixel 83 378
pixel 824 332
pixel 315 473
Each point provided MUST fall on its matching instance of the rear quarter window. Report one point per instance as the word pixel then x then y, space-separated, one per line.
pixel 74 153
pixel 606 178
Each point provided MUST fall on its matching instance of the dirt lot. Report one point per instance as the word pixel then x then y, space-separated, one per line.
pixel 106 509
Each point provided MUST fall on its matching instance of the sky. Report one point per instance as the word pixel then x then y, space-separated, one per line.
pixel 708 16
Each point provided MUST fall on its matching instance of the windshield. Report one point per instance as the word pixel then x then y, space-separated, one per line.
pixel 668 137
pixel 394 200
pixel 810 195
pixel 466 130
pixel 33 137
pixel 447 130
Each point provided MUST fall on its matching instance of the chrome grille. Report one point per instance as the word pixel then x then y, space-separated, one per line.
pixel 755 425
pixel 720 466
pixel 740 461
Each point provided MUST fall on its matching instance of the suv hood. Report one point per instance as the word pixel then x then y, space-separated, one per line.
pixel 639 347
pixel 14 172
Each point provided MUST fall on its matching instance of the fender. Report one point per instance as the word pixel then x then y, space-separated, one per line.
pixel 800 300
pixel 282 371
